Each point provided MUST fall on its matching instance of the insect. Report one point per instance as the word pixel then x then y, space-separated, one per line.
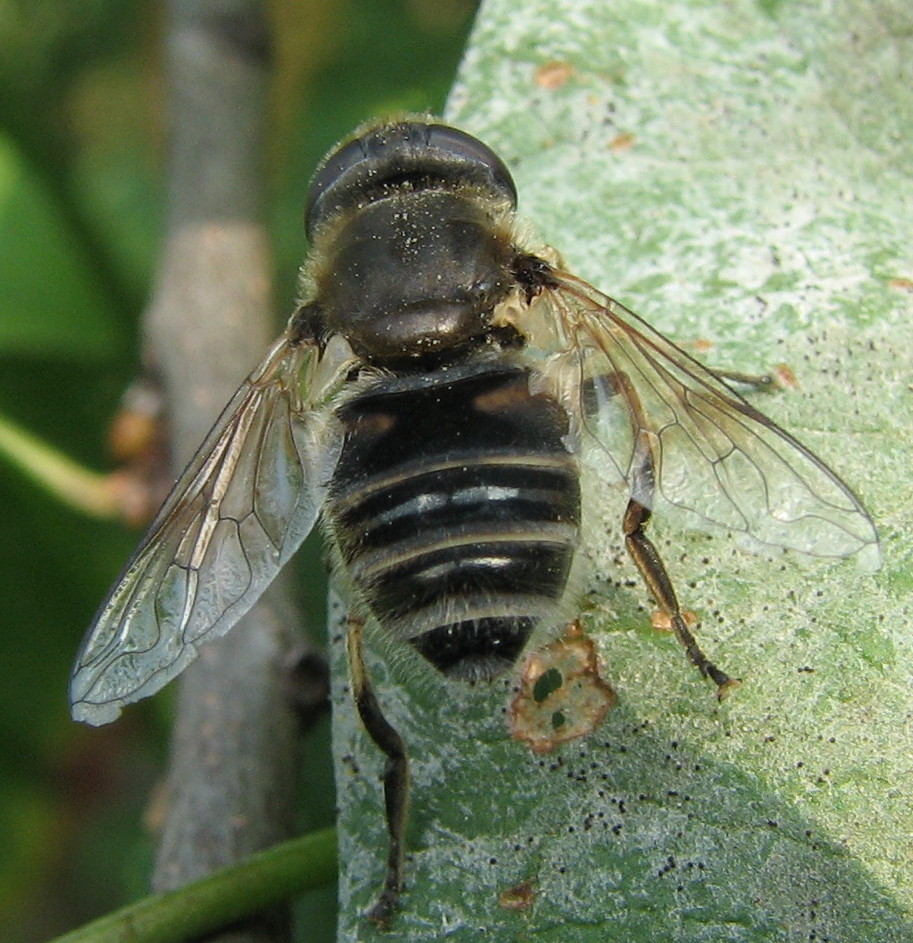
pixel 433 401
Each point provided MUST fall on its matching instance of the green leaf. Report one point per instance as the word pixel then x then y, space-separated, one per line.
pixel 51 304
pixel 737 173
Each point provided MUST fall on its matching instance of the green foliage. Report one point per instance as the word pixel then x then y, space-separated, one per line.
pixel 57 309
pixel 260 882
pixel 81 182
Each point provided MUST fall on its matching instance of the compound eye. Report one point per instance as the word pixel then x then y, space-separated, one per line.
pixel 335 166
pixel 464 146
pixel 404 152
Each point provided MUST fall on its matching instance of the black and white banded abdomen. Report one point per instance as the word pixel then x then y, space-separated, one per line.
pixel 455 508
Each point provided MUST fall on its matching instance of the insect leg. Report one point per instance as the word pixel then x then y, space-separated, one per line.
pixel 642 550
pixel 653 570
pixel 763 382
pixel 396 772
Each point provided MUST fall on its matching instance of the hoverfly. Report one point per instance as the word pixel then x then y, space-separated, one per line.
pixel 432 402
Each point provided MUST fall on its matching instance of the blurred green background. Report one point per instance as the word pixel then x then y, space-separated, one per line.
pixel 82 153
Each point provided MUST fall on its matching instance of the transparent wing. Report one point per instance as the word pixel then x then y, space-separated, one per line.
pixel 242 507
pixel 684 442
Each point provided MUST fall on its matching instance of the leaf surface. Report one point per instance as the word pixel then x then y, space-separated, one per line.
pixel 737 174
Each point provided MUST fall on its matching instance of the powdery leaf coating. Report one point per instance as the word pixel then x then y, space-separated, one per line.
pixel 761 201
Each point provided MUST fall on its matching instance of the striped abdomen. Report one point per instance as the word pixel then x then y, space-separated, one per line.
pixel 456 510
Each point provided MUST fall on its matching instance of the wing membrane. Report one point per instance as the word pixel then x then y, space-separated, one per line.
pixel 238 512
pixel 715 458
